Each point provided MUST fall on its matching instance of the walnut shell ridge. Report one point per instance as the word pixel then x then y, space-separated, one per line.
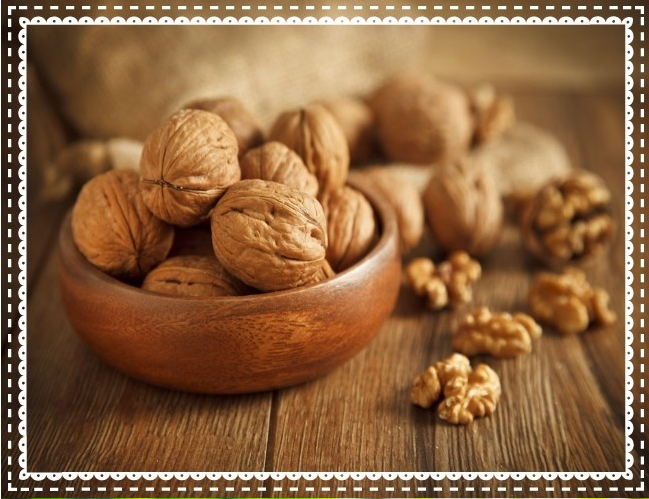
pixel 270 236
pixel 113 228
pixel 186 166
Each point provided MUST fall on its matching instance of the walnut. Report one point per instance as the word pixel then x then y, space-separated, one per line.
pixel 465 393
pixel 568 220
pixel 499 334
pixel 406 201
pixel 276 162
pixel 244 125
pixel 422 120
pixel 316 136
pixel 270 236
pixel 494 112
pixel 113 228
pixel 351 227
pixel 463 208
pixel 568 302
pixel 357 123
pixel 193 276
pixel 448 283
pixel 186 166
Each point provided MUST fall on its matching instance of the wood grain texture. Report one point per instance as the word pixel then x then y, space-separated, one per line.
pixel 562 408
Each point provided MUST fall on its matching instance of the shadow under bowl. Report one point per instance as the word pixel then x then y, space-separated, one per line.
pixel 233 344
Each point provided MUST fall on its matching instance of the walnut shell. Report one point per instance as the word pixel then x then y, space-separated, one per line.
pixel 274 161
pixel 464 209
pixel 351 227
pixel 356 120
pixel 406 201
pixel 317 138
pixel 422 120
pixel 193 275
pixel 186 166
pixel 270 236
pixel 113 228
pixel 245 126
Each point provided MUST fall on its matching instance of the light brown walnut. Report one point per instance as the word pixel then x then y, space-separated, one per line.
pixel 568 220
pixel 464 209
pixel 422 120
pixel 274 161
pixel 315 135
pixel 462 392
pixel 494 112
pixel 243 124
pixel 568 303
pixel 356 120
pixel 270 236
pixel 186 166
pixel 351 227
pixel 193 275
pixel 447 284
pixel 113 228
pixel 495 333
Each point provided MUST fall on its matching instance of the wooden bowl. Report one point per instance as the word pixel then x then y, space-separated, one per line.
pixel 233 344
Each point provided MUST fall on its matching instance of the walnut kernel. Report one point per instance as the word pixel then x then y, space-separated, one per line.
pixel 499 334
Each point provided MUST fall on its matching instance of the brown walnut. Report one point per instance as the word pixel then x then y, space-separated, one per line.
pixel 274 161
pixel 351 227
pixel 494 112
pixel 245 126
pixel 186 166
pixel 270 236
pixel 422 120
pixel 464 209
pixel 356 120
pixel 315 135
pixel 193 276
pixel 568 220
pixel 113 228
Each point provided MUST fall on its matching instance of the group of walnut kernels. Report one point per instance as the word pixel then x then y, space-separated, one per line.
pixel 215 207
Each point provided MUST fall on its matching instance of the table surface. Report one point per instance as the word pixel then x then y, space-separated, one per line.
pixel 562 409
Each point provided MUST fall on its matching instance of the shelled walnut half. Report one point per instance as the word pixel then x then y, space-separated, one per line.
pixel 495 333
pixel 568 302
pixel 568 220
pixel 465 392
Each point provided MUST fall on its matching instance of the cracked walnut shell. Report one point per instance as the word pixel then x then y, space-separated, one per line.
pixel 186 166
pixel 193 275
pixel 568 302
pixel 274 161
pixel 568 220
pixel 351 227
pixel 422 120
pixel 465 392
pixel 270 236
pixel 499 334
pixel 114 229
pixel 315 135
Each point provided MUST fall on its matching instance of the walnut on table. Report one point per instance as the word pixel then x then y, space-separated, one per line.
pixel 465 393
pixel 568 302
pixel 499 334
pixel 446 284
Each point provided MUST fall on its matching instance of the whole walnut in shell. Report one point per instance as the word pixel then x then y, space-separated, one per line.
pixel 463 208
pixel 192 275
pixel 351 227
pixel 356 120
pixel 270 236
pixel 274 161
pixel 422 120
pixel 186 166
pixel 315 135
pixel 494 112
pixel 245 126
pixel 113 228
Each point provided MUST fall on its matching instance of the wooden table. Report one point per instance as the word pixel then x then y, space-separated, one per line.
pixel 562 408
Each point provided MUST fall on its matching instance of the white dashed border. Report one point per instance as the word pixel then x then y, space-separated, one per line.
pixel 482 16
